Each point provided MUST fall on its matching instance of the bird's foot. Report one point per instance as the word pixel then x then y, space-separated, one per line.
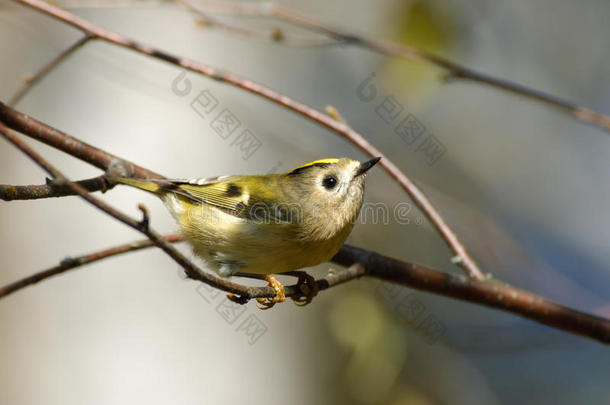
pixel 266 303
pixel 307 285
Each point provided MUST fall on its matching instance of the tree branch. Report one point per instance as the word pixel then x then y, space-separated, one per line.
pixel 35 192
pixel 360 262
pixel 70 263
pixel 418 197
pixel 275 35
pixel 72 146
pixel 454 70
pixel 491 293
pixel 30 81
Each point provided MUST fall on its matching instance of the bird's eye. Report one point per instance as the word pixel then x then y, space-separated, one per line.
pixel 329 182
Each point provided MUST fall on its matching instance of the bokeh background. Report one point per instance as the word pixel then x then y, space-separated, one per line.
pixel 524 186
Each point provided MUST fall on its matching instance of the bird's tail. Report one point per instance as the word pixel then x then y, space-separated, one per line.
pixel 160 189
pixel 145 185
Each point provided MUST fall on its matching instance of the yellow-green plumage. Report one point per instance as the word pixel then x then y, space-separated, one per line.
pixel 266 224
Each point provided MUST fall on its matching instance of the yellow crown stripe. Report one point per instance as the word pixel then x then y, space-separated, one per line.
pixel 315 162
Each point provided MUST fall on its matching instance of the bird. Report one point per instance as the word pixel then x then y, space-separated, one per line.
pixel 261 225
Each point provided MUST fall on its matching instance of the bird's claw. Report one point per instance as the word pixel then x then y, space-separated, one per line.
pixel 280 296
pixel 307 285
pixel 238 299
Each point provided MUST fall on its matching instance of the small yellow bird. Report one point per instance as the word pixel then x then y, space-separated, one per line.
pixel 265 224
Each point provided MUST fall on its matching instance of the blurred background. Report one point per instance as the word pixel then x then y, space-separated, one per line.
pixel 523 185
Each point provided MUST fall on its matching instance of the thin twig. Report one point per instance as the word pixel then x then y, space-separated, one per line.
pixel 454 70
pixel 361 262
pixel 447 233
pixel 275 35
pixel 38 191
pixel 31 80
pixel 70 263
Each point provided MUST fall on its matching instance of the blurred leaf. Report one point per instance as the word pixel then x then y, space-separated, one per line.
pixel 427 26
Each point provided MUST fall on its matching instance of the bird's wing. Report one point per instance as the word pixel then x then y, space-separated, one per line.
pixel 217 191
pixel 228 193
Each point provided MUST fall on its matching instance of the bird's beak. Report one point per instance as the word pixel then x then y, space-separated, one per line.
pixel 365 166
